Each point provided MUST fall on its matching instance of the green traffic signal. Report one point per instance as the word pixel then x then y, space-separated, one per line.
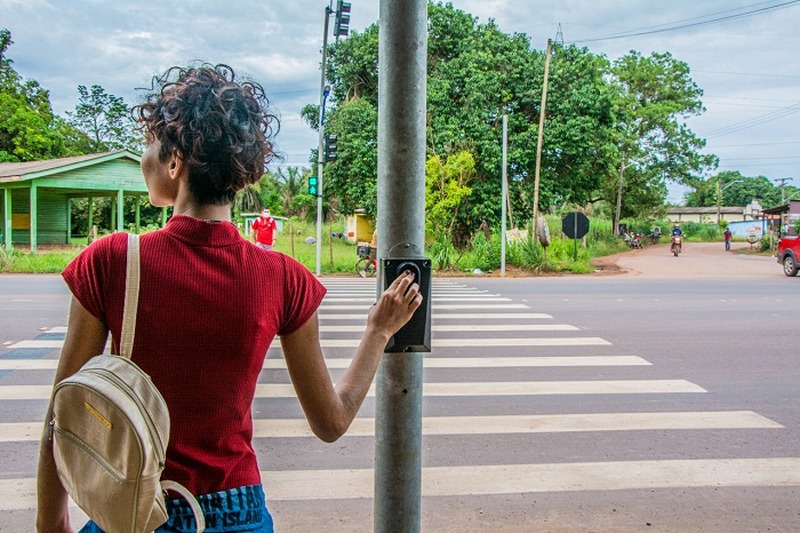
pixel 313 186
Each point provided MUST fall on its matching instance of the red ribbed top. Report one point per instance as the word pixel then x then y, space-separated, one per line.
pixel 210 304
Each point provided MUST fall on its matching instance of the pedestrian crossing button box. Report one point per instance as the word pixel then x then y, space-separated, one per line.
pixel 415 336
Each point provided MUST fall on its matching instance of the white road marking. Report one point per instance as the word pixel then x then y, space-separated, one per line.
pixel 437 316
pixel 428 362
pixel 494 388
pixel 490 425
pixel 437 343
pixel 434 307
pixel 463 327
pixel 53 344
pixel 299 485
pixel 435 298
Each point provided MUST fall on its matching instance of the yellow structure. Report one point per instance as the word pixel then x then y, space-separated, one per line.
pixel 359 227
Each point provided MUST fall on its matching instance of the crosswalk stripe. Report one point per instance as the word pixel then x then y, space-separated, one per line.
pixel 434 307
pixel 464 327
pixel 437 343
pixel 493 388
pixel 490 425
pixel 443 316
pixel 428 362
pixel 435 298
pixel 37 344
pixel 20 494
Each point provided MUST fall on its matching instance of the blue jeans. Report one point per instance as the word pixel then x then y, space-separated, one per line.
pixel 240 510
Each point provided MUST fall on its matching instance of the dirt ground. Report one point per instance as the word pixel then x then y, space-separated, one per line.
pixel 706 259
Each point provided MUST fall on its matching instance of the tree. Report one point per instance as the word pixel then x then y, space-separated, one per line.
pixel 476 74
pixel 105 119
pixel 446 190
pixel 652 146
pixel 293 193
pixel 29 130
pixel 737 190
pixel 352 178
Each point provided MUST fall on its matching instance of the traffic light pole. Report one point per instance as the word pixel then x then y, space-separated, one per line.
pixel 320 150
pixel 402 63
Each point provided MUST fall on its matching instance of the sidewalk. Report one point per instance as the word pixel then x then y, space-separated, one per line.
pixel 697 260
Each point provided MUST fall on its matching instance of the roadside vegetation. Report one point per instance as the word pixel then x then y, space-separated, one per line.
pixel 480 256
pixel 614 138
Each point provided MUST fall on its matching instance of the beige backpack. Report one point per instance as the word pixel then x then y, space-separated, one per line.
pixel 110 431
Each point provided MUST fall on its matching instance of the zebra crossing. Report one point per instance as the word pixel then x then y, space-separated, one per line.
pixel 497 348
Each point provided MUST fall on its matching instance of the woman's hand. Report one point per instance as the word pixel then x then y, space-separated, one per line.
pixel 330 410
pixel 395 306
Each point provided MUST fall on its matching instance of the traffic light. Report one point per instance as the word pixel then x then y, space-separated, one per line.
pixel 342 25
pixel 330 147
pixel 313 186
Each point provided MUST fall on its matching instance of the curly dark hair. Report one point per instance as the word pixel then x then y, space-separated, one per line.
pixel 221 128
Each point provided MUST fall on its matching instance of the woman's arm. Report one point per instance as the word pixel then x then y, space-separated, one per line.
pixel 86 337
pixel 330 410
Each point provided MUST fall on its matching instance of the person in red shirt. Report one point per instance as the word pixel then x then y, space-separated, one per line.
pixel 210 306
pixel 265 230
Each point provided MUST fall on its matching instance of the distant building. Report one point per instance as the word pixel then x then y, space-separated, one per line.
pixel 36 196
pixel 708 215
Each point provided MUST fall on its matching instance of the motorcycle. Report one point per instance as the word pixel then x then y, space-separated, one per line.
pixel 654 235
pixel 675 248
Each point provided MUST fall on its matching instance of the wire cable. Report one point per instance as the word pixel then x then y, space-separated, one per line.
pixel 683 24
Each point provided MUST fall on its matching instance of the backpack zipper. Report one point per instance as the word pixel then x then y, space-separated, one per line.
pixel 76 441
pixel 155 436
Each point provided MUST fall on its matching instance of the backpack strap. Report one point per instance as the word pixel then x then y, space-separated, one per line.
pixel 132 277
pixel 199 519
pixel 131 297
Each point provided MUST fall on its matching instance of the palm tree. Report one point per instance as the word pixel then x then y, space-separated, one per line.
pixel 290 184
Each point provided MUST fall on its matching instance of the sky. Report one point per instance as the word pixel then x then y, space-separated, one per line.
pixel 746 62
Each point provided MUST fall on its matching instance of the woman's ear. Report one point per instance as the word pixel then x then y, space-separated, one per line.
pixel 175 165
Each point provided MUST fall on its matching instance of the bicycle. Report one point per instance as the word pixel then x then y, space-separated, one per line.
pixel 367 263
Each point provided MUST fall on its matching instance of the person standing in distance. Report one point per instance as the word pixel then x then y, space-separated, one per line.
pixel 265 230
pixel 210 304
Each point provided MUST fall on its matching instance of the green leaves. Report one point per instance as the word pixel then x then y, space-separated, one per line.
pixel 446 189
pixel 105 119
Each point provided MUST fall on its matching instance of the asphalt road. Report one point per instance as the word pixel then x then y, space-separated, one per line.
pixel 664 398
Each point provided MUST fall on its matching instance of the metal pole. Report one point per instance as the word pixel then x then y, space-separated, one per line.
pixel 402 60
pixel 320 148
pixel 503 203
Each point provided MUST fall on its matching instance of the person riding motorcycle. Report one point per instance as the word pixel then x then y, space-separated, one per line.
pixel 677 238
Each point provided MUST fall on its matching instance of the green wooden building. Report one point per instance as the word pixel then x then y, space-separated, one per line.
pixel 37 195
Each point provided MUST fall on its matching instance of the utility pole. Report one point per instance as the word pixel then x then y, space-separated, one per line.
pixel 783 182
pixel 402 64
pixel 540 139
pixel 720 190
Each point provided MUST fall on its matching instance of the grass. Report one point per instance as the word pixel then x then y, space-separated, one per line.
pixel 339 256
pixel 48 262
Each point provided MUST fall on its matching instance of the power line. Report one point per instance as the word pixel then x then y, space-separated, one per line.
pixel 682 24
pixel 753 144
pixel 755 121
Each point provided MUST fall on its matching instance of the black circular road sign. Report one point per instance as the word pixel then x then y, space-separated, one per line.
pixel 575 225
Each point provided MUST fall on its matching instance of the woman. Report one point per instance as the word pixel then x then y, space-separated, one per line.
pixel 211 303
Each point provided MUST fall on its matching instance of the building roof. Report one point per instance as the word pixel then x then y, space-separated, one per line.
pixel 734 210
pixel 10 172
